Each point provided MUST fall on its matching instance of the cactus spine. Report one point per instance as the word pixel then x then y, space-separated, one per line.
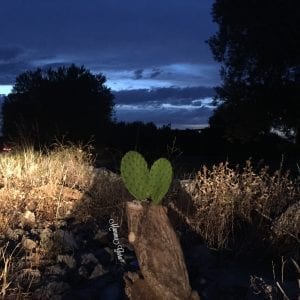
pixel 143 184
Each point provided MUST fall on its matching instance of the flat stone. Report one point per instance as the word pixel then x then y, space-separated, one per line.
pixel 29 244
pixel 68 260
pixel 65 239
pixel 88 258
pixel 82 271
pixel 102 237
pixel 55 270
pixel 57 288
pixel 98 271
pixel 28 218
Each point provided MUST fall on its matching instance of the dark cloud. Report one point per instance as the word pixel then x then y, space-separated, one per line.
pixel 155 72
pixel 120 35
pixel 161 116
pixel 8 53
pixel 173 95
pixel 182 107
pixel 138 74
pixel 155 46
pixel 13 60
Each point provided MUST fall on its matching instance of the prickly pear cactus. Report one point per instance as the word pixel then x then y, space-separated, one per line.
pixel 160 179
pixel 135 173
pixel 143 184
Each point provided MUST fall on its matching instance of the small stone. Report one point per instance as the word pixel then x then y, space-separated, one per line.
pixel 131 237
pixel 34 259
pixel 102 237
pixel 14 235
pixel 82 271
pixel 28 218
pixel 110 252
pixel 46 238
pixel 29 244
pixel 98 271
pixel 66 239
pixel 33 274
pixel 31 206
pixel 88 258
pixel 68 260
pixel 56 288
pixel 55 270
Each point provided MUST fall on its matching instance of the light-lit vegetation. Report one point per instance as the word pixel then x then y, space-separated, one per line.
pixel 222 205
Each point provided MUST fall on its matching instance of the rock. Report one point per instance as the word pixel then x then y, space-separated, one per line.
pixel 56 288
pixel 28 218
pixel 104 256
pixel 65 239
pixel 46 235
pixel 102 237
pixel 14 235
pixel 68 260
pixel 82 271
pixel 55 270
pixel 98 271
pixel 47 241
pixel 31 206
pixel 88 258
pixel 28 244
pixel 110 252
pixel 61 224
pixel 32 275
pixel 34 258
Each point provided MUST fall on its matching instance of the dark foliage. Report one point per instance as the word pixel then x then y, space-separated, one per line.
pixel 258 45
pixel 69 103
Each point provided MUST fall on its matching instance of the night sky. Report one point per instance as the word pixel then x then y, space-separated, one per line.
pixel 153 53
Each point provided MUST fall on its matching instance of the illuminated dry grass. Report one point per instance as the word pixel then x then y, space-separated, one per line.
pixel 31 179
pixel 223 199
pixel 50 186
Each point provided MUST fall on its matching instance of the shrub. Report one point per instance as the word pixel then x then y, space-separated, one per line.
pixel 224 200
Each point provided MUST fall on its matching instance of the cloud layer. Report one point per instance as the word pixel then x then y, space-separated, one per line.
pixel 180 107
pixel 153 53
pixel 138 36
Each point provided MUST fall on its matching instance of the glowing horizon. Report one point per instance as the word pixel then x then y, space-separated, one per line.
pixel 5 89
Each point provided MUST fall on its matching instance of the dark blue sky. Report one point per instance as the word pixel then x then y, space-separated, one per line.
pixel 147 50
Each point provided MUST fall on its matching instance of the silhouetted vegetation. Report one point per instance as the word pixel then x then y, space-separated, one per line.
pixel 69 103
pixel 257 44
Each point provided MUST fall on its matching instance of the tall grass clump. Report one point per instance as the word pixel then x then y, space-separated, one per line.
pixel 29 176
pixel 228 201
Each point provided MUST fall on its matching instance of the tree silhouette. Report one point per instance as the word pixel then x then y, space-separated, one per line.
pixel 68 102
pixel 258 45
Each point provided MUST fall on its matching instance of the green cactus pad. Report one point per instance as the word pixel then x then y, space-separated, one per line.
pixel 160 179
pixel 135 174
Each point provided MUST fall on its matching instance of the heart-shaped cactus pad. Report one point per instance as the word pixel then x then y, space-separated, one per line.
pixel 141 182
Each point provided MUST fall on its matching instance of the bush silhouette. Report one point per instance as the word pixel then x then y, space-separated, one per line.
pixel 68 102
pixel 257 45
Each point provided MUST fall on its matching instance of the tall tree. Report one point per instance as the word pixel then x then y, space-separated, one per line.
pixel 67 102
pixel 258 44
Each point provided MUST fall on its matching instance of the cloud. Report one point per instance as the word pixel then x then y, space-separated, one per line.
pixel 138 74
pixel 177 117
pixel 107 35
pixel 171 95
pixel 155 73
pixel 183 107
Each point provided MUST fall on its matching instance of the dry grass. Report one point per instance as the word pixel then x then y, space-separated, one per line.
pixel 31 179
pixel 47 186
pixel 223 199
pixel 217 201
